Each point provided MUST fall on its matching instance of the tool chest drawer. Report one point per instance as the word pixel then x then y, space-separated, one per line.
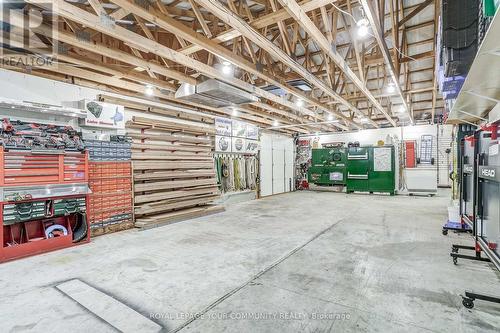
pixel 27 168
pixel 24 211
pixel 69 206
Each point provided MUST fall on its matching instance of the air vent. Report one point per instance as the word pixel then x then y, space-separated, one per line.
pixel 215 94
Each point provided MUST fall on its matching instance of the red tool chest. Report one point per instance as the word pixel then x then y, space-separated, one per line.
pixel 43 199
pixel 24 167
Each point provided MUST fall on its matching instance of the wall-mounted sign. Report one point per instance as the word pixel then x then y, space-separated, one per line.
pixel 252 132
pixel 234 136
pixel 104 115
pixel 252 146
pixel 223 126
pixel 239 129
pixel 239 145
pixel 223 144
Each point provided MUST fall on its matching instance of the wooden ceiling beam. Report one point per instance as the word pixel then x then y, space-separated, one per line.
pixel 188 34
pixel 117 72
pixel 76 14
pixel 116 54
pixel 226 15
pixel 415 11
pixel 303 19
pixel 200 19
pixel 259 23
pixel 71 70
pixel 98 8
pixel 385 53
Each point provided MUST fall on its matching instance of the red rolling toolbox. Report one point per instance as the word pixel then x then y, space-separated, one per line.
pixel 43 200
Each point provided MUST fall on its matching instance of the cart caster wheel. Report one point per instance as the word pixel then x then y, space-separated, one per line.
pixel 455 260
pixel 454 249
pixel 468 303
pixel 445 232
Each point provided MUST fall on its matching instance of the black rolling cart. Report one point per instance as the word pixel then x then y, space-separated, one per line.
pixel 484 214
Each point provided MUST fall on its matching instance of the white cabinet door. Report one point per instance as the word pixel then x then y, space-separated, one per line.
pixel 266 165
pixel 276 164
pixel 289 164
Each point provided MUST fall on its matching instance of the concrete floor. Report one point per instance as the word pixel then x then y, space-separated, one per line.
pixel 301 262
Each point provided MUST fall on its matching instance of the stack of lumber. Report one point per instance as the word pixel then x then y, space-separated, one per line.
pixel 174 174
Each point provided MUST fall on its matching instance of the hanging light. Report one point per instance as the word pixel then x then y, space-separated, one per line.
pixel 149 90
pixel 362 27
pixel 227 69
pixel 391 88
pixel 235 112
pixel 330 117
pixel 299 103
pixel 276 123
pixel 362 31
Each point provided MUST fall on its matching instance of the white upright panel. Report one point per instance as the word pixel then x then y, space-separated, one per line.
pixel 444 159
pixel 266 165
pixel 289 164
pixel 278 165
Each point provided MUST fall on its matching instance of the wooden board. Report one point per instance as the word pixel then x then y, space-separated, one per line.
pixel 175 194
pixel 168 205
pixel 174 174
pixel 172 184
pixel 177 216
pixel 151 164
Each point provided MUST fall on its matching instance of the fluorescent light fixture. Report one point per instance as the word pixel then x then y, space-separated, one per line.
pixel 149 90
pixel 299 103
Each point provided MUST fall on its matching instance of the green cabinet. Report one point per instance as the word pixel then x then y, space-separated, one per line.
pixel 357 169
pixel 328 166
pixel 371 169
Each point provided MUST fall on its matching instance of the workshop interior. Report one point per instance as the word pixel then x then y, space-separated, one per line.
pixel 250 165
